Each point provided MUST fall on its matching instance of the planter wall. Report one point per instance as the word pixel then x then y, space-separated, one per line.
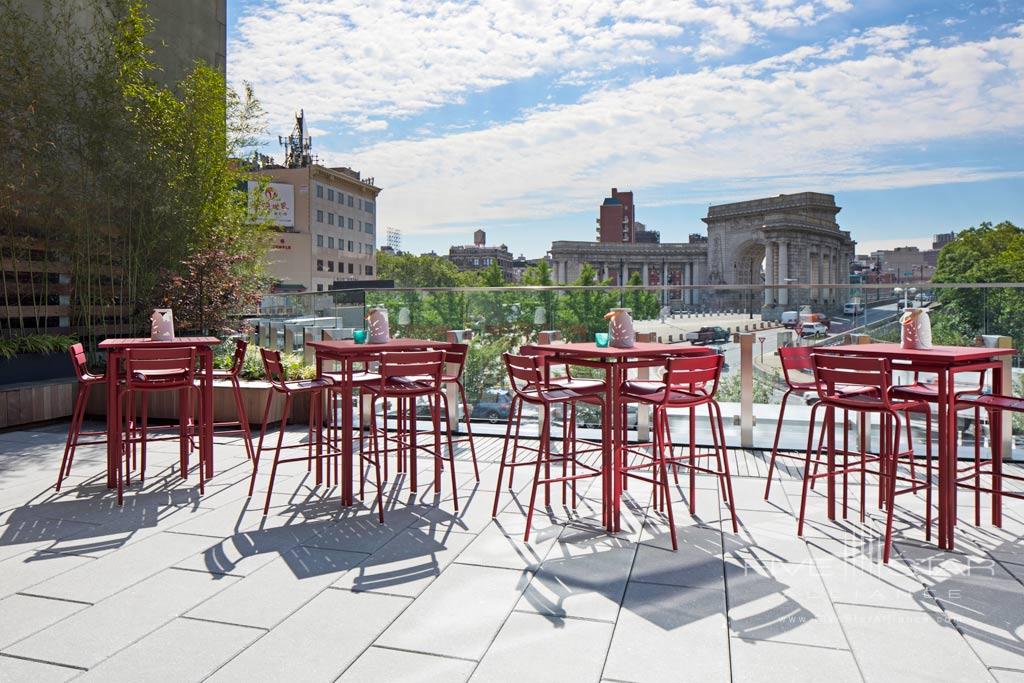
pixel 36 401
pixel 164 405
pixel 35 367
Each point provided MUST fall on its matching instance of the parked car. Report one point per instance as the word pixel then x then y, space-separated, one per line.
pixel 790 319
pixel 589 416
pixel 708 335
pixel 815 329
pixel 492 406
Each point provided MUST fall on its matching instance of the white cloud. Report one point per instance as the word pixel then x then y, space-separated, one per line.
pixel 803 123
pixel 400 57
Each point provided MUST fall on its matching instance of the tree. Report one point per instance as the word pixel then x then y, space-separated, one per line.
pixel 983 254
pixel 644 304
pixel 127 182
pixel 585 309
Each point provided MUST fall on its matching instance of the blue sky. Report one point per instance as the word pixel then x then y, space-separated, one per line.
pixel 518 116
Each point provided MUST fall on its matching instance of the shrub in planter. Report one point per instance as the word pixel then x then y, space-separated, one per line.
pixel 34 358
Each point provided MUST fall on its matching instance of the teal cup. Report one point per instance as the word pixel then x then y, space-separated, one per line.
pixel 359 336
pixel 601 339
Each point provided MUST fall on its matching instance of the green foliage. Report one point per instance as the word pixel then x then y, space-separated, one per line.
pixel 484 366
pixel 134 184
pixel 644 304
pixel 729 389
pixel 35 343
pixel 987 253
pixel 584 310
pixel 295 366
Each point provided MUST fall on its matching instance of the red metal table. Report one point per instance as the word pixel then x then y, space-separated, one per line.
pixel 611 360
pixel 945 362
pixel 116 349
pixel 343 352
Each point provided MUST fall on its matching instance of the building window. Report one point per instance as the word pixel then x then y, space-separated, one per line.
pixel 330 242
pixel 359 226
pixel 368 206
pixel 319 240
pixel 319 264
pixel 330 195
pixel 330 218
pixel 319 191
pixel 350 221
pixel 350 202
pixel 330 266
pixel 341 197
pixel 350 246
pixel 319 288
pixel 350 269
pixel 369 270
pixel 319 216
pixel 360 203
pixel 369 228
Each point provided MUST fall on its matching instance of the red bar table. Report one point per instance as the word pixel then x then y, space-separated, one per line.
pixel 116 349
pixel 945 362
pixel 610 359
pixel 343 352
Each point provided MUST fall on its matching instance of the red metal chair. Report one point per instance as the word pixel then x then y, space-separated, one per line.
pixel 454 365
pixel 528 379
pixel 862 385
pixel 406 377
pixel 241 425
pixel 315 389
pixel 149 371
pixel 688 383
pixel 993 405
pixel 86 381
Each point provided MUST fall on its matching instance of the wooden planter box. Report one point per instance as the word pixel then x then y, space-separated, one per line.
pixel 37 401
pixel 164 405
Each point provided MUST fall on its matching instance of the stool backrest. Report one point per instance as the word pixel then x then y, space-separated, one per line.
pixel 456 354
pixel 238 359
pixel 419 364
pixel 795 358
pixel 692 373
pixel 524 371
pixel 833 372
pixel 273 367
pixel 79 361
pixel 168 366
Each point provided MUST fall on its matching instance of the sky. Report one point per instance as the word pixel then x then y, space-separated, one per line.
pixel 519 116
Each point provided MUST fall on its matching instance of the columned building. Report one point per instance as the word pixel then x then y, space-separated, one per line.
pixel 771 242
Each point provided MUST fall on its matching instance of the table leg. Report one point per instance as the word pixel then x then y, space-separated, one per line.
pixel 346 432
pixel 618 442
pixel 995 431
pixel 206 418
pixel 947 460
pixel 113 419
pixel 607 450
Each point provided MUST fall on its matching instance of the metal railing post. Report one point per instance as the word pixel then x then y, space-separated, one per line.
pixel 746 340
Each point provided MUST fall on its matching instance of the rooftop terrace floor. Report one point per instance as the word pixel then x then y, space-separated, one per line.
pixel 174 585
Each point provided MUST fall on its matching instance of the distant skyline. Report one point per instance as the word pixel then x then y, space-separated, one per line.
pixel 519 117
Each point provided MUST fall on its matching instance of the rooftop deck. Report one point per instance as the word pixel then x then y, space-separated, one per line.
pixel 175 585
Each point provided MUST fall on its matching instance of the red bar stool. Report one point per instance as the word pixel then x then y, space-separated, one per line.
pixel 407 376
pixel 454 364
pixel 527 377
pixel 86 381
pixel 970 477
pixel 361 378
pixel 315 389
pixel 862 385
pixel 241 425
pixel 149 371
pixel 562 379
pixel 688 383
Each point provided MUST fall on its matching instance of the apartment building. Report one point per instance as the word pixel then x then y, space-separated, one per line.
pixel 327 217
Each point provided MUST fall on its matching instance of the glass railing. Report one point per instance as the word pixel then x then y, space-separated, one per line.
pixel 495 320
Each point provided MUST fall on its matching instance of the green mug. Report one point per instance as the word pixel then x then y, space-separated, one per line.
pixel 601 339
pixel 359 336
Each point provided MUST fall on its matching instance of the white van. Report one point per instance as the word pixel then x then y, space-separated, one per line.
pixel 853 308
pixel 790 319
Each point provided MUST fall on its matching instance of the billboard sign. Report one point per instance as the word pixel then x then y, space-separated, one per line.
pixel 277 201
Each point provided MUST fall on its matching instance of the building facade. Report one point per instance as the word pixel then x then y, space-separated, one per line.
pixel 616 220
pixel 479 256
pixel 775 241
pixel 331 233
